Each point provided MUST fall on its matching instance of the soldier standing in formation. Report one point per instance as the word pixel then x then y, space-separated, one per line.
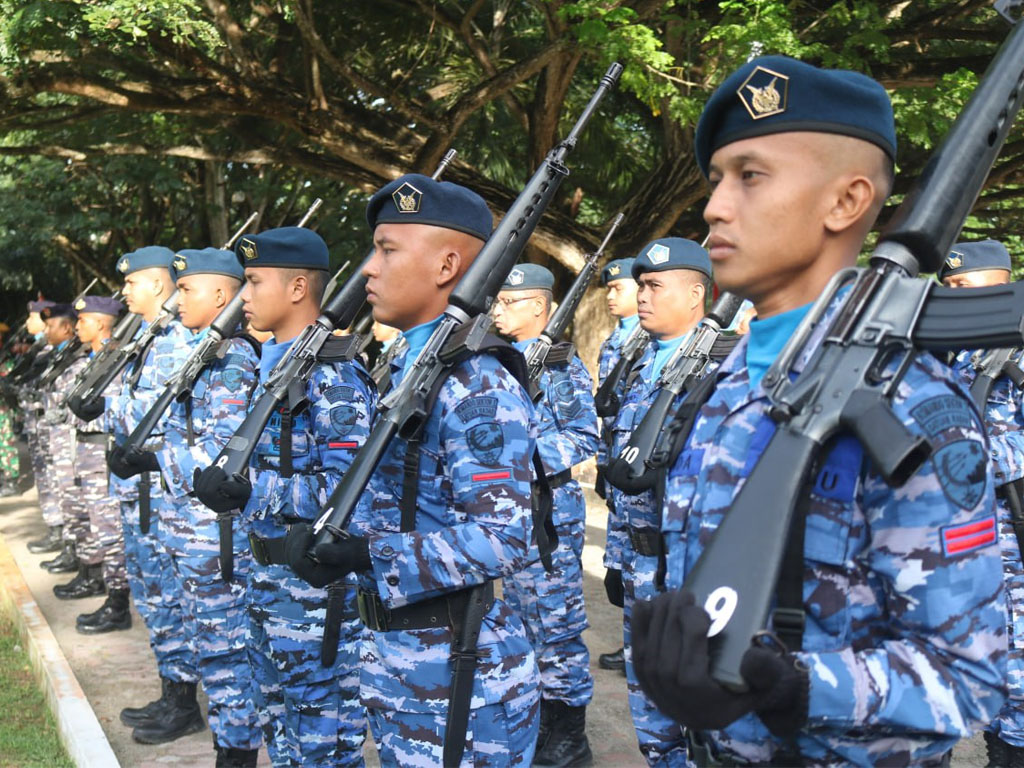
pixel 549 600
pixel 903 649
pixel 975 265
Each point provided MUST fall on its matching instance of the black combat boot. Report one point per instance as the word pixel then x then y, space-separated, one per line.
pixel 567 745
pixel 113 615
pixel 88 583
pixel 547 712
pixel 51 542
pixel 229 757
pixel 1001 754
pixel 135 716
pixel 614 660
pixel 179 717
pixel 65 562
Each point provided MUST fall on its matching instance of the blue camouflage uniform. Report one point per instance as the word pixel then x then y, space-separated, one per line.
pixel 151 578
pixel 214 609
pixel 904 640
pixel 550 603
pixel 473 524
pixel 607 357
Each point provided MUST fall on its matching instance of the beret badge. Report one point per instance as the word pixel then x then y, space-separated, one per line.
pixel 80 305
pixel 248 249
pixel 124 265
pixel 955 261
pixel 407 198
pixel 180 264
pixel 516 277
pixel 760 93
pixel 658 254
pixel 614 270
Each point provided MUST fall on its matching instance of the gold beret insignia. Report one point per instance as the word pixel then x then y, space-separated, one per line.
pixel 760 93
pixel 407 198
pixel 248 248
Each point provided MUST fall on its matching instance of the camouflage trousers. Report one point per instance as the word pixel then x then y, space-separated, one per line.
pixel 1009 723
pixel 660 738
pixel 216 625
pixel 551 607
pixel 310 714
pixel 105 540
pixel 46 486
pixel 9 462
pixel 498 736
pixel 154 588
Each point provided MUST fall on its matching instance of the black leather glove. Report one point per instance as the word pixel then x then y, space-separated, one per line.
pixel 221 493
pixel 334 561
pixel 125 463
pixel 670 658
pixel 87 410
pixel 601 485
pixel 613 587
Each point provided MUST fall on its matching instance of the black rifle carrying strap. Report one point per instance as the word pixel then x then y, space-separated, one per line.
pixel 138 362
pixel 190 433
pixel 287 468
pixel 465 637
pixel 788 619
pixel 678 430
pixel 335 615
pixel 145 502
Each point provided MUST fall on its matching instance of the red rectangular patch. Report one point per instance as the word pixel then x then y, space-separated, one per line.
pixel 504 474
pixel 351 444
pixel 966 537
pixel 233 402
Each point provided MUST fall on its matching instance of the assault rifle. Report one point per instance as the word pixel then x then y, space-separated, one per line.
pixel 543 351
pixel 606 400
pixel 84 400
pixel 850 378
pixel 463 323
pixel 989 366
pixel 286 383
pixel 634 469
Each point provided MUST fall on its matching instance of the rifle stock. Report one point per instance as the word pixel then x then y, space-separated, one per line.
pixel 403 409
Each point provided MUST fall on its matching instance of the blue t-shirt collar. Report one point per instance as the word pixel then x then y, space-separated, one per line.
pixel 766 339
pixel 416 337
pixel 271 353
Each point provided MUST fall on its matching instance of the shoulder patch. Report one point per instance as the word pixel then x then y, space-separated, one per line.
pixel 483 407
pixel 967 537
pixel 566 402
pixel 233 372
pixel 959 463
pixel 339 393
pixel 343 419
pixel 486 441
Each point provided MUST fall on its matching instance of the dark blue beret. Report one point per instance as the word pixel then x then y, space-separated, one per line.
pixel 102 305
pixel 975 257
pixel 418 199
pixel 60 310
pixel 206 261
pixel 619 269
pixel 671 253
pixel 145 258
pixel 286 247
pixel 39 306
pixel 525 277
pixel 777 94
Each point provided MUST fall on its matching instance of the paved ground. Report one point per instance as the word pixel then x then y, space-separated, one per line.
pixel 117 670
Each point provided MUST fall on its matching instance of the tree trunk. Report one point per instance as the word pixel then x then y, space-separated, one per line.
pixel 215 194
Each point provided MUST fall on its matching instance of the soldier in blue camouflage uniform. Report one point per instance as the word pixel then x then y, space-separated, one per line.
pixel 974 265
pixel 550 602
pixel 673 277
pixel 309 709
pixel 101 558
pixel 147 284
pixel 469 523
pixel 213 599
pixel 904 647
pixel 617 277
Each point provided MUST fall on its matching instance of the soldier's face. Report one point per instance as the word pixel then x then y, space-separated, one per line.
pixel 978 279
pixel 58 329
pixel 517 313
pixel 89 327
pixel 198 300
pixel 669 303
pixel 767 211
pixel 621 295
pixel 265 298
pixel 142 290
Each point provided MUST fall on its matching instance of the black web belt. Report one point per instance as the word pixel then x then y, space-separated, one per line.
pixel 442 611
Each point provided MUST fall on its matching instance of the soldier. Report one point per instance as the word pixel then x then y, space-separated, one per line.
pixel 617 277
pixel 428 548
pixel 196 431
pixel 974 265
pixel 102 561
pixel 902 649
pixel 308 702
pixel 550 601
pixel 144 507
pixel 58 469
pixel 673 278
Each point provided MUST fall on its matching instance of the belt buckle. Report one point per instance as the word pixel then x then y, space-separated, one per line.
pixel 259 549
pixel 374 614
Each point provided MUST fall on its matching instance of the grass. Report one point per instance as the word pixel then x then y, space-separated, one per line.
pixel 28 732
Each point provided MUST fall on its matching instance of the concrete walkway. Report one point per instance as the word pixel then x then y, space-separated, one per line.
pixel 117 670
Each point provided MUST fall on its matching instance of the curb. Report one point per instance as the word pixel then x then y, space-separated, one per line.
pixel 80 731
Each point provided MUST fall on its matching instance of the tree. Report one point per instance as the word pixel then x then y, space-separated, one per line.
pixel 362 91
